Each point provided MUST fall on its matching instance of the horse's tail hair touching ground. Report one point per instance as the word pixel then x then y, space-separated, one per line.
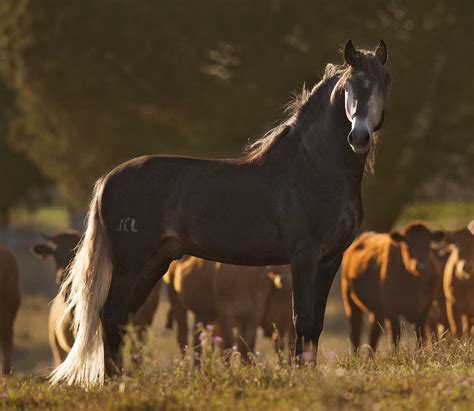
pixel 86 288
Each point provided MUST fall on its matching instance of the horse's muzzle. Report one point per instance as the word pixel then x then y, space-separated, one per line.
pixel 359 140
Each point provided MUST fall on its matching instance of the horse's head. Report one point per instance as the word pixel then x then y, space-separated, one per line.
pixel 365 85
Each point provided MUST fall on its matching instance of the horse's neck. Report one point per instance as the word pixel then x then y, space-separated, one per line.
pixel 320 140
pixel 326 145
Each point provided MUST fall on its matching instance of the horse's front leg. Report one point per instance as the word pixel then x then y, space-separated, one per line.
pixel 304 266
pixel 324 278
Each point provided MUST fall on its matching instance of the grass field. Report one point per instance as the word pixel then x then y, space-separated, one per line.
pixel 437 377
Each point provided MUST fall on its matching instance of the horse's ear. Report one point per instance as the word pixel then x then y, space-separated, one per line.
pixel 350 53
pixel 381 52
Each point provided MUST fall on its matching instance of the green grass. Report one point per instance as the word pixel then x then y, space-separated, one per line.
pixel 434 378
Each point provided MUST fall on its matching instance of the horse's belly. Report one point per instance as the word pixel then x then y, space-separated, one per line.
pixel 238 253
pixel 230 232
pixel 240 247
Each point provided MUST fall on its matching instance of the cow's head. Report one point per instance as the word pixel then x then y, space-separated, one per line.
pixel 418 244
pixel 61 247
pixel 278 311
pixel 419 250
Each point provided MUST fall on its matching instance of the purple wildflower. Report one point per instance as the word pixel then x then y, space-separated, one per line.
pixel 307 356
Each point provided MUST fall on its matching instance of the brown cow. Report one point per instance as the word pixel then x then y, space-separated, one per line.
pixel 437 316
pixel 458 283
pixel 9 304
pixel 388 276
pixel 231 295
pixel 61 247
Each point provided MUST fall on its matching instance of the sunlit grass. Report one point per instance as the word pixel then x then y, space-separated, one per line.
pixel 436 377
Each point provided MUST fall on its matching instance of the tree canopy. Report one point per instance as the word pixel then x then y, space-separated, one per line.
pixel 99 82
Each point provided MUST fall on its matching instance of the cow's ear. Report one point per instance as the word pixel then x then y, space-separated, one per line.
pixel 275 279
pixel 396 236
pixel 437 236
pixel 42 250
pixel 470 227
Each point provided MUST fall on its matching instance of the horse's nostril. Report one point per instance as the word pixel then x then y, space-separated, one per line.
pixel 359 140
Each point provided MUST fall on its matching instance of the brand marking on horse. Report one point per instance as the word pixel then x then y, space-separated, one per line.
pixel 127 225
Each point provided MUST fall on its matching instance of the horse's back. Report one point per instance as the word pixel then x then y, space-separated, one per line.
pixel 202 204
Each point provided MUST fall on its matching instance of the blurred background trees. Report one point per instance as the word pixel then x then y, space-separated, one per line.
pixel 89 84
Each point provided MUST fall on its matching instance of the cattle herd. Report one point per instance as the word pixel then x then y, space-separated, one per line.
pixel 424 276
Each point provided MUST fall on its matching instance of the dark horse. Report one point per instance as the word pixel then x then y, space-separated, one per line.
pixel 294 198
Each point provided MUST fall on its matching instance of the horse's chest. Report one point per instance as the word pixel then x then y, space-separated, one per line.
pixel 345 228
pixel 328 217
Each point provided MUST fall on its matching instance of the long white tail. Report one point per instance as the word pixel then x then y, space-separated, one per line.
pixel 86 287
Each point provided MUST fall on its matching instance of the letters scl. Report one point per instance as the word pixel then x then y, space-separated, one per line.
pixel 127 225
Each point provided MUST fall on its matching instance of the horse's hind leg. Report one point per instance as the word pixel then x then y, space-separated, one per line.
pixel 114 316
pixel 129 289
